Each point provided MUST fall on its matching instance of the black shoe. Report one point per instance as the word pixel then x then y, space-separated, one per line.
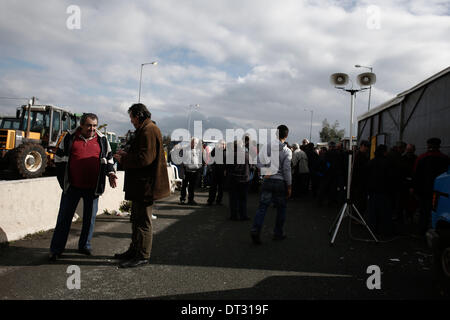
pixel 209 204
pixel 192 203
pixel 85 251
pixel 127 255
pixel 279 237
pixel 255 238
pixel 219 203
pixel 182 201
pixel 54 256
pixel 133 263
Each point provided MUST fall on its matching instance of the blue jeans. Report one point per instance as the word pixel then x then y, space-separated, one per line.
pixel 67 207
pixel 271 190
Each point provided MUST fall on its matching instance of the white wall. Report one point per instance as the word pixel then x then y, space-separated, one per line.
pixel 30 206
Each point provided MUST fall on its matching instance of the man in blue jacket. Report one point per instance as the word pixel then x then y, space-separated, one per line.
pixel 83 160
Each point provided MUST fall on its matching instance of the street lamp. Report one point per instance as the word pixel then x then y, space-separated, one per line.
pixel 370 88
pixel 310 128
pixel 191 106
pixel 140 79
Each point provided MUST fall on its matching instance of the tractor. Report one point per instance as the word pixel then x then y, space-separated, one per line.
pixel 31 149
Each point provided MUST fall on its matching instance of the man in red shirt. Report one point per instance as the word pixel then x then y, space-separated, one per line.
pixel 83 160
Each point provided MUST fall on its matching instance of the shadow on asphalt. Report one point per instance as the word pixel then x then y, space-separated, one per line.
pixel 202 236
pixel 292 288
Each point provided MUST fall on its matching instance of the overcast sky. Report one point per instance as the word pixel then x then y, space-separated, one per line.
pixel 248 64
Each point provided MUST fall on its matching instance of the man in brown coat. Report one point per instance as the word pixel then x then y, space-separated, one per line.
pixel 146 180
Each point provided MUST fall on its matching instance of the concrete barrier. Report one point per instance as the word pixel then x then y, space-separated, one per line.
pixel 30 206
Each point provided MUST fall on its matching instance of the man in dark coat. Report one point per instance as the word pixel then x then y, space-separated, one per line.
pixel 408 200
pixel 146 180
pixel 217 174
pixel 427 167
pixel 395 160
pixel 359 176
pixel 379 188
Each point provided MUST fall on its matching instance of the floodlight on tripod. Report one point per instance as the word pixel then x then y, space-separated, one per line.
pixel 340 80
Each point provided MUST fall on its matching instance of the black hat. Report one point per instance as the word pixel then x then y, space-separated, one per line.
pixel 365 143
pixel 434 142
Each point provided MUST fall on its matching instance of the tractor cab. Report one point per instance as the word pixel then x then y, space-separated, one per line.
pixel 31 148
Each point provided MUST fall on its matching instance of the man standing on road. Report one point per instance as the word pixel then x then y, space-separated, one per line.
pixel 428 166
pixel 276 187
pixel 192 164
pixel 146 180
pixel 83 159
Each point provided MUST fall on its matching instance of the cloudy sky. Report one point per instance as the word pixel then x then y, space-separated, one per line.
pixel 248 64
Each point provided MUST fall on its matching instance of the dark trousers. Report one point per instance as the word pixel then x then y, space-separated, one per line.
pixel 315 183
pixel 189 182
pixel 425 202
pixel 304 183
pixel 238 199
pixel 380 213
pixel 328 189
pixel 216 187
pixel 141 229
pixel 68 205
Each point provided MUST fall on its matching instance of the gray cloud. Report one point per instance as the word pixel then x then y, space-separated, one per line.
pixel 247 63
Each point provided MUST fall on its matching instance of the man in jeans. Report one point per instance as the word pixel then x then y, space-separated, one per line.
pixel 276 187
pixel 83 159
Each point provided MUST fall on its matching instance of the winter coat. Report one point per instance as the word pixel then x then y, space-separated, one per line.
pixel 146 177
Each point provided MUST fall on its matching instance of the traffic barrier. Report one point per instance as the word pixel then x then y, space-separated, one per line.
pixel 31 205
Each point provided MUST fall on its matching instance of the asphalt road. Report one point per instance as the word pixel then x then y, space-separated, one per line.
pixel 198 254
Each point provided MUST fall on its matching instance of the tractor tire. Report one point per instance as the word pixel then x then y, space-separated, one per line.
pixel 30 160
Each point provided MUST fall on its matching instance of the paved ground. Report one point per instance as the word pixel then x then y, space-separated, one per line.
pixel 199 254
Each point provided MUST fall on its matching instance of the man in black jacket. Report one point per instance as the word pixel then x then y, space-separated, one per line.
pixel 83 159
pixel 217 174
pixel 379 187
pixel 359 176
pixel 427 167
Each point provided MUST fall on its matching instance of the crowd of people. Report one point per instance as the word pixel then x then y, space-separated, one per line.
pixel 388 188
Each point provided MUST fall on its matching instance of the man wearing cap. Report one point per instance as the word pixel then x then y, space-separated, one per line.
pixel 427 167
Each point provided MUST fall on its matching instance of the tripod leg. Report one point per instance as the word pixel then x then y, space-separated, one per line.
pixel 341 216
pixel 334 222
pixel 364 222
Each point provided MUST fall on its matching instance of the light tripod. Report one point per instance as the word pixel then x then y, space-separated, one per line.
pixel 349 206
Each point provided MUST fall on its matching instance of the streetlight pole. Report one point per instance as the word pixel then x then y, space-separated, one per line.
pixel 140 79
pixel 370 88
pixel 191 106
pixel 310 127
